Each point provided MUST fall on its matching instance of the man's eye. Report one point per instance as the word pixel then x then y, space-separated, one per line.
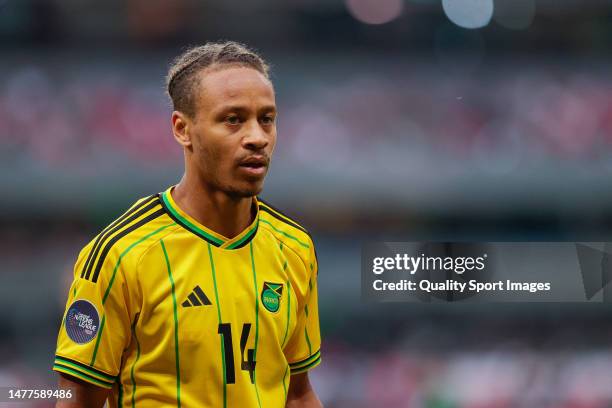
pixel 232 120
pixel 267 120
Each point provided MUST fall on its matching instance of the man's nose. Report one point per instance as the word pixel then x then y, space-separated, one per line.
pixel 256 137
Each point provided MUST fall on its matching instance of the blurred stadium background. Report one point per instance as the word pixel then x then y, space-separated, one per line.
pixel 399 120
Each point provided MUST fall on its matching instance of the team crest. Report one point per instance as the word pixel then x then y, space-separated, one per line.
pixel 271 296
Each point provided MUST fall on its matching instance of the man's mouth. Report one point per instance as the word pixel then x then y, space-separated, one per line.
pixel 254 165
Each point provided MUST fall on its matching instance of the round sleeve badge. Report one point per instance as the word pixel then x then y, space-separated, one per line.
pixel 82 321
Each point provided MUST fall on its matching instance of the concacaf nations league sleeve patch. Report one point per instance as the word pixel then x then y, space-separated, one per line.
pixel 82 321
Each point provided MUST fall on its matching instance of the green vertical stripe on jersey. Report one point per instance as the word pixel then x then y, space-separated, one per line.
pixel 176 342
pixel 284 385
pixel 112 280
pixel 256 320
pixel 214 276
pixel 134 365
pixel 128 249
pixel 308 340
pixel 95 352
pixel 288 311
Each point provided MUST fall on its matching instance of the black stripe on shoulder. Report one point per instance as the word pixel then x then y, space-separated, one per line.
pixel 286 220
pixel 86 272
pixel 120 235
pixel 282 217
pixel 104 234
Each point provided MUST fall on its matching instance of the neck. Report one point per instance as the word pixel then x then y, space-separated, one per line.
pixel 214 209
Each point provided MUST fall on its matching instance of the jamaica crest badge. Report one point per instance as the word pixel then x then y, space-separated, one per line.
pixel 271 295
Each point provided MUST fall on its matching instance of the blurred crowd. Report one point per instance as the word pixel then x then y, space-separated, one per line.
pixel 511 114
pixel 515 378
pixel 74 120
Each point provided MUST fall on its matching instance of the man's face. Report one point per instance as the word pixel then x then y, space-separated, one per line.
pixel 233 132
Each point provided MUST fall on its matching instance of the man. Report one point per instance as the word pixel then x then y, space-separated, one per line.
pixel 203 295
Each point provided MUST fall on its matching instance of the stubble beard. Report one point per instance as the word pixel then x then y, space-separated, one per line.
pixel 232 185
pixel 235 191
pixel 242 193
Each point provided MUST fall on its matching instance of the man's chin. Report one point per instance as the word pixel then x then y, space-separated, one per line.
pixel 245 191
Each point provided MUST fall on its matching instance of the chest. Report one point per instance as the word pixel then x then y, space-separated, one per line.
pixel 204 296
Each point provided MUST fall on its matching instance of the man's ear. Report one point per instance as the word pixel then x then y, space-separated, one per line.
pixel 180 128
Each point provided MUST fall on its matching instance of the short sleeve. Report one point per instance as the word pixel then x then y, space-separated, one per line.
pixel 96 326
pixel 303 351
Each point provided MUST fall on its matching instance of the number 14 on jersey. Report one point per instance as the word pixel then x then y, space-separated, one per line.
pixel 225 330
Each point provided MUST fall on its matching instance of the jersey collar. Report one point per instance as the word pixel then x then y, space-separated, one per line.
pixel 214 238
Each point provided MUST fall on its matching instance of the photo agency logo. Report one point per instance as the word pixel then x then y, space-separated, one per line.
pixel 487 272
pixel 425 271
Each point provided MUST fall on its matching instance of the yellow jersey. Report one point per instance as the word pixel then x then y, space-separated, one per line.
pixel 166 312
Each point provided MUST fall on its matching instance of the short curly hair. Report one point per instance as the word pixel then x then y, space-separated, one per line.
pixel 182 75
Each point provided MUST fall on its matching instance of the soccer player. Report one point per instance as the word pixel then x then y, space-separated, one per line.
pixel 203 295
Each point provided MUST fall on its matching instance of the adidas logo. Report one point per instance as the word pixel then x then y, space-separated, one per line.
pixel 196 298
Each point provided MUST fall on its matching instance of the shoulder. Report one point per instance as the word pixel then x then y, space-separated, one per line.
pixel 287 231
pixel 124 239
